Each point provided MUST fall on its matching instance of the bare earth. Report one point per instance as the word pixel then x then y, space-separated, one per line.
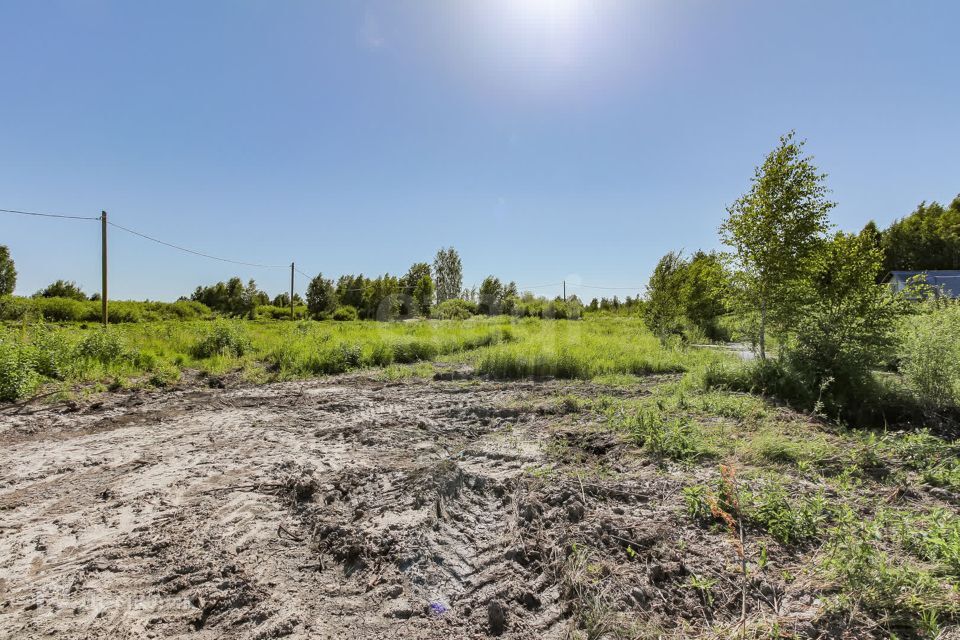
pixel 342 508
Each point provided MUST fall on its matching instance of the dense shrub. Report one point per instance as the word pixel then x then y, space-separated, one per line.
pixel 345 314
pixel 62 309
pixel 62 289
pixel 18 376
pixel 224 338
pixel 53 355
pixel 414 351
pixel 847 328
pixel 929 354
pixel 454 309
pixel 232 297
pixel 121 311
pixel 14 307
pixel 101 345
pixel 274 312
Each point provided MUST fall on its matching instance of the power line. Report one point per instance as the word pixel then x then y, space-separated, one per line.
pixel 590 286
pixel 48 215
pixel 198 253
pixel 259 265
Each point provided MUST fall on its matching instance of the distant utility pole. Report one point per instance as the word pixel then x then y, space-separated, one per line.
pixel 103 266
pixel 292 267
pixel 564 290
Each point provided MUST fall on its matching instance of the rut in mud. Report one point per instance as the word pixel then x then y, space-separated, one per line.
pixel 339 508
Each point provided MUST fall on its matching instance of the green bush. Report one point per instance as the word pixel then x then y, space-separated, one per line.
pixel 18 376
pixel 345 313
pixel 101 345
pixel 14 307
pixel 790 521
pixel 455 309
pixel 61 309
pixel 120 311
pixel 929 354
pixel 280 313
pixel 414 351
pixel 53 353
pixel 224 338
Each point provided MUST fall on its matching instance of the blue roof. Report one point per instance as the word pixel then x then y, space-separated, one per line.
pixel 946 280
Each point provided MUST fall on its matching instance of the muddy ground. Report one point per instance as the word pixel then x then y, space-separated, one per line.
pixel 346 507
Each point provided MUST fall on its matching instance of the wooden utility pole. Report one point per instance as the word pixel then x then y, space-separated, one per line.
pixel 564 290
pixel 292 267
pixel 103 266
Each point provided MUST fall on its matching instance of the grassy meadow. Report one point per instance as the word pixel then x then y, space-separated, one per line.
pixel 65 356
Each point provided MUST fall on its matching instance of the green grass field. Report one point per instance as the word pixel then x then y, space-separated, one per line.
pixel 34 356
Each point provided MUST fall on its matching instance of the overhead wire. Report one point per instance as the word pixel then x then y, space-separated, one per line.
pixel 257 264
pixel 592 286
pixel 198 253
pixel 49 215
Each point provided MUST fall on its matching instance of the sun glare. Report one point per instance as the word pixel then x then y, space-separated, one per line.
pixel 547 29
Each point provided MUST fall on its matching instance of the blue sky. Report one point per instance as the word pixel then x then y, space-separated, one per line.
pixel 544 139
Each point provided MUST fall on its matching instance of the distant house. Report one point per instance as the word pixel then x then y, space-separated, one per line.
pixel 947 282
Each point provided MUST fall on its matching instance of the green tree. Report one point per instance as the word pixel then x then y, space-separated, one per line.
pixel 61 289
pixel 350 290
pixel 663 311
pixel 381 298
pixel 490 295
pixel 408 284
pixel 705 289
pixel 251 298
pixel 848 326
pixel 510 299
pixel 416 271
pixel 448 274
pixel 8 272
pixel 927 239
pixel 423 295
pixel 283 300
pixel 321 296
pixel 776 229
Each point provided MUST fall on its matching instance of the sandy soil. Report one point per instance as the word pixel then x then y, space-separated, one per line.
pixel 337 508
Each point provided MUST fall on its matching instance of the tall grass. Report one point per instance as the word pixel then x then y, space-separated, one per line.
pixel 499 347
pixel 313 349
pixel 157 352
pixel 586 349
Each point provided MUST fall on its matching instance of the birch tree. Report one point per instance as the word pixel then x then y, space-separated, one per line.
pixel 776 230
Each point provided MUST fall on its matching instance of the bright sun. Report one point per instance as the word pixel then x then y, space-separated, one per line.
pixel 540 31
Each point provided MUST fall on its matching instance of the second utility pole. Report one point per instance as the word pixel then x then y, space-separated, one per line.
pixel 103 266
pixel 292 267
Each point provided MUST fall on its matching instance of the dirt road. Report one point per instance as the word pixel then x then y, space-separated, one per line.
pixel 340 508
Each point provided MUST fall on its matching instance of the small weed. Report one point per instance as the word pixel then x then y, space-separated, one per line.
pixel 676 439
pixel 788 520
pixel 704 587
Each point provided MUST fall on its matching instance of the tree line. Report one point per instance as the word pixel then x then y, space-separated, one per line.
pixel 426 291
